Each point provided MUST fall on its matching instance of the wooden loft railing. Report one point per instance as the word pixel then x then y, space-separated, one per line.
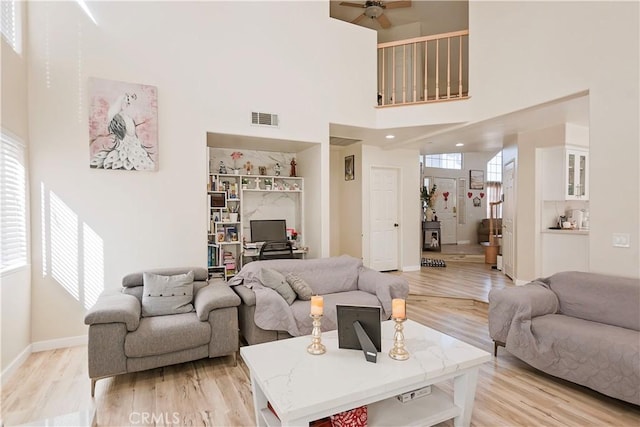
pixel 424 69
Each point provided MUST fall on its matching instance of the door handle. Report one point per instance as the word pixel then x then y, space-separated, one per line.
pixel 395 225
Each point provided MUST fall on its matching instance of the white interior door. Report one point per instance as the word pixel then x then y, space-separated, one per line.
pixel 507 219
pixel 384 224
pixel 445 208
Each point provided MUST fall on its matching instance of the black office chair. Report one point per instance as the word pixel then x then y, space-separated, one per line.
pixel 276 250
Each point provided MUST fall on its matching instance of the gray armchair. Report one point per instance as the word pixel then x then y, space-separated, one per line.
pixel 122 341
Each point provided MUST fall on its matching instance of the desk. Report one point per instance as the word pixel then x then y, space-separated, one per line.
pixel 252 254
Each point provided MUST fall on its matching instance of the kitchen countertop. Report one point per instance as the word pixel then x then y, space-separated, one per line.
pixel 566 231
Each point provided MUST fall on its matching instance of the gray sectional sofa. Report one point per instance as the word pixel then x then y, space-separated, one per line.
pixel 582 327
pixel 265 316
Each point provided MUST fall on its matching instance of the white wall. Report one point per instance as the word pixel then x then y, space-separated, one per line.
pixel 579 45
pixel 218 62
pixel 346 200
pixel 410 215
pixel 15 287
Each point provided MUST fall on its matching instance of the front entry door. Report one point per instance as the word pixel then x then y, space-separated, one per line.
pixel 384 228
pixel 446 209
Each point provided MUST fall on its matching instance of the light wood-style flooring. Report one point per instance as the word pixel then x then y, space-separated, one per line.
pixel 212 392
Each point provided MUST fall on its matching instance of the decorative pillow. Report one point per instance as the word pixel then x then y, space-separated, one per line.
pixel 163 295
pixel 276 281
pixel 299 286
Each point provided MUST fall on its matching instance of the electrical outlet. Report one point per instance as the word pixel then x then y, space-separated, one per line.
pixel 621 240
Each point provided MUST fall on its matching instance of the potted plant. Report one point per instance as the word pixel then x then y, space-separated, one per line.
pixel 245 183
pixel 235 156
pixel 428 200
pixel 268 182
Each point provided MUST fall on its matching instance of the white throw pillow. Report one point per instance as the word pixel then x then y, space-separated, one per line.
pixel 164 295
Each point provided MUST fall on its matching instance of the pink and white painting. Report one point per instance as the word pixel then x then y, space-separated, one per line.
pixel 123 125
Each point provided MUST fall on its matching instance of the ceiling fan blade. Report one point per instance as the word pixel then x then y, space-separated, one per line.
pixel 397 4
pixel 359 18
pixel 384 21
pixel 348 3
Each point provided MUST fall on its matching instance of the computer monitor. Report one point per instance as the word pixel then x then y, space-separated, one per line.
pixel 264 230
pixel 369 318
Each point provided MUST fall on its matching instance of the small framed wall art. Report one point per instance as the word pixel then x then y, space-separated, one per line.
pixel 349 168
pixel 476 180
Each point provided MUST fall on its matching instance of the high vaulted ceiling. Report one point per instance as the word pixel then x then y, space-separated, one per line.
pixel 435 17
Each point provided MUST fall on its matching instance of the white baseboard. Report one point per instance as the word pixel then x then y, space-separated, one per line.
pixel 59 343
pixel 40 346
pixel 464 242
pixel 15 364
pixel 411 268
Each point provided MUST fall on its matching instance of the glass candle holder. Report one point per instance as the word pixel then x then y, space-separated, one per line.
pixel 316 347
pixel 398 352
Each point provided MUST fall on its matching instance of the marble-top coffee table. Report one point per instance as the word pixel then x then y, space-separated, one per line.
pixel 302 387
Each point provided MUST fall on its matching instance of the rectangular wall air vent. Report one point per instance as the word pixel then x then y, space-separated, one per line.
pixel 264 119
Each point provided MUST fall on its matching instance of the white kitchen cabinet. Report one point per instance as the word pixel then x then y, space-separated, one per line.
pixel 564 250
pixel 565 173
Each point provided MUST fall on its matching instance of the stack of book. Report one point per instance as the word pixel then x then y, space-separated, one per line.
pixel 229 263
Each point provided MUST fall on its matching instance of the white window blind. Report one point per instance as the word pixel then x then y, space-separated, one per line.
pixel 13 204
pixel 9 25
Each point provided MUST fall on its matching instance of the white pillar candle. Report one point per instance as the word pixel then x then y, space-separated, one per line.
pixel 398 308
pixel 316 305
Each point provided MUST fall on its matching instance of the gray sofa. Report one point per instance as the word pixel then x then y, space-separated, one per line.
pixel 265 316
pixel 582 327
pixel 121 340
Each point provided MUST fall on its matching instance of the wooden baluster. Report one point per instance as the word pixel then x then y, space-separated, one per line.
pixel 426 70
pixel 448 67
pixel 460 68
pixel 393 75
pixel 437 69
pixel 404 74
pixel 382 89
pixel 415 69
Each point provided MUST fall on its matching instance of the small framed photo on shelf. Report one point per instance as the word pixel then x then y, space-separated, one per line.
pixel 218 199
pixel 349 168
pixel 476 180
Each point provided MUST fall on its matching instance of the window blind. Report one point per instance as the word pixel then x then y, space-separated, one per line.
pixel 13 204
pixel 9 23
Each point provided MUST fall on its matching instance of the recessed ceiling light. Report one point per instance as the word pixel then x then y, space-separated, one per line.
pixel 390 136
pixel 459 144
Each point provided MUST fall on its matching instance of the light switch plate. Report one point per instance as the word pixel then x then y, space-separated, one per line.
pixel 621 240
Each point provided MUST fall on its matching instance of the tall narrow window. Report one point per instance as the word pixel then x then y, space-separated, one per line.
pixel 494 184
pixel 13 204
pixel 10 23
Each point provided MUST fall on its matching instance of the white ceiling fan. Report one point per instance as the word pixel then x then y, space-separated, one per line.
pixel 375 10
